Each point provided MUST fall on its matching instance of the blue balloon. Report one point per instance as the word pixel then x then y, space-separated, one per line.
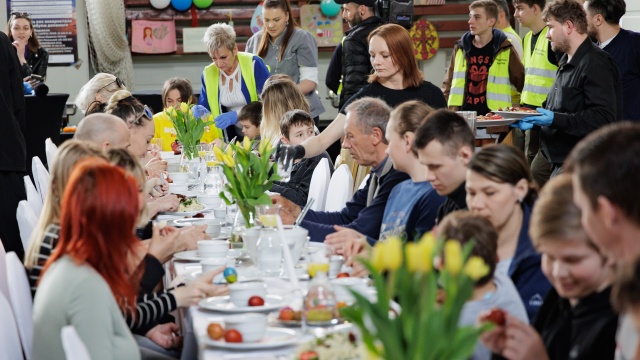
pixel 329 8
pixel 181 5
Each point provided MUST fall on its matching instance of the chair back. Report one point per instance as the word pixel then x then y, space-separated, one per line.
pixel 43 115
pixel 33 197
pixel 340 189
pixel 51 150
pixel 21 303
pixel 363 183
pixel 9 338
pixel 40 177
pixel 74 348
pixel 27 221
pixel 4 285
pixel 319 185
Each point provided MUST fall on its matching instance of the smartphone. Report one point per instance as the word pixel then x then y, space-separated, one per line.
pixel 36 77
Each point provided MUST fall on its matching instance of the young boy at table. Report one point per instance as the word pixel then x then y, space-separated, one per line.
pixel 576 320
pixel 494 290
pixel 250 117
pixel 297 126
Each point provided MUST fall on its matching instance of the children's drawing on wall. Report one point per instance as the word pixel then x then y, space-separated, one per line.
pixel 153 37
pixel 326 30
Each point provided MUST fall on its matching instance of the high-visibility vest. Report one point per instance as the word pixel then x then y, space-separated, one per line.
pixel 515 94
pixel 539 73
pixel 211 78
pixel 498 82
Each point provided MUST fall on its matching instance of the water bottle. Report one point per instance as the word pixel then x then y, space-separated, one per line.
pixel 320 302
pixel 269 252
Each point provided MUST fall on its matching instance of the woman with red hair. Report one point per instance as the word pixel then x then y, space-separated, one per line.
pixel 91 279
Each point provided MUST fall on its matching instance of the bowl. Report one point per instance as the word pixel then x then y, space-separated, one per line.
pixel 212 201
pixel 213 248
pixel 341 287
pixel 179 177
pixel 169 157
pixel 252 326
pixel 215 263
pixel 213 227
pixel 220 214
pixel 173 167
pixel 178 188
pixel 239 293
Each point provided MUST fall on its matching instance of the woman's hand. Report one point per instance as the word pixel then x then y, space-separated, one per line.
pixel 346 241
pixel 155 187
pixel 165 335
pixel 199 289
pixel 163 242
pixel 163 203
pixel 155 166
pixel 20 45
pixel 189 237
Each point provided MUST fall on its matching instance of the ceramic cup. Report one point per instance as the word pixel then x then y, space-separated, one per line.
pixel 213 248
pixel 252 326
pixel 239 293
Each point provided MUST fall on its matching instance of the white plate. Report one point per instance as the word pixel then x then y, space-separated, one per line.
pixel 192 255
pixel 496 122
pixel 184 213
pixel 514 114
pixel 241 277
pixel 186 221
pixel 223 304
pixel 274 337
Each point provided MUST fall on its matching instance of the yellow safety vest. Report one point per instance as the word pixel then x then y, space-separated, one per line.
pixel 515 94
pixel 498 83
pixel 211 78
pixel 539 73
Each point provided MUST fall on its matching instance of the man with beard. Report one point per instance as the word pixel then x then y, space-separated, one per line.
pixel 603 26
pixel 586 94
pixel 356 66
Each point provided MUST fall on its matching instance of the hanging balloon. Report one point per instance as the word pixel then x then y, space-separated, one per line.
pixel 160 4
pixel 202 4
pixel 329 8
pixel 181 5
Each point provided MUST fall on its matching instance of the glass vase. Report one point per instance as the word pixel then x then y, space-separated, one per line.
pixel 239 225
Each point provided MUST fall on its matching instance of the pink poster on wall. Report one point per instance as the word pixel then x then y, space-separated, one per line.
pixel 153 37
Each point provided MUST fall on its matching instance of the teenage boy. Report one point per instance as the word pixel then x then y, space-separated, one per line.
pixel 444 143
pixel 540 66
pixel 494 290
pixel 297 126
pixel 249 117
pixel 484 65
pixel 606 168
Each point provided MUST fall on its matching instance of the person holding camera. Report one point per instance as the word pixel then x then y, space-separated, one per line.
pixel 34 59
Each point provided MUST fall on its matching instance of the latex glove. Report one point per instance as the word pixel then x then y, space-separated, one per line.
pixel 544 119
pixel 227 119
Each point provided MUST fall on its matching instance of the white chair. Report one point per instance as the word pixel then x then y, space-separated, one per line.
pixel 20 296
pixel 74 348
pixel 340 189
pixel 51 150
pixel 364 182
pixel 40 177
pixel 9 338
pixel 27 221
pixel 319 185
pixel 33 198
pixel 4 285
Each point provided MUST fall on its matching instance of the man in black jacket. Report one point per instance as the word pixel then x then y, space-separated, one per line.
pixel 13 151
pixel 586 94
pixel 356 67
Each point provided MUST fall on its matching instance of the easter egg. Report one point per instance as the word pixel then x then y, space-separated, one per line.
pixel 230 275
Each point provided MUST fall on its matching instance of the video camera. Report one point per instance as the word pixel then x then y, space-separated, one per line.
pixel 396 12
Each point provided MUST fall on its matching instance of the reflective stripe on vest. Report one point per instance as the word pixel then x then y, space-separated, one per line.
pixel 539 73
pixel 498 82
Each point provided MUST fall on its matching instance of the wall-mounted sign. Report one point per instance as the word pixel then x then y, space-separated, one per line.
pixel 55 24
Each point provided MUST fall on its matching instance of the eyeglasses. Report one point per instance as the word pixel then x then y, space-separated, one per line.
pixel 20 14
pixel 117 81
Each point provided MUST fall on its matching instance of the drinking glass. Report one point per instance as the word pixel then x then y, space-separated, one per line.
pixel 470 117
pixel 285 162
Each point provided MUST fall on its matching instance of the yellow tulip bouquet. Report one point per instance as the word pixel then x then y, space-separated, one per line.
pixel 248 175
pixel 430 300
pixel 189 121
